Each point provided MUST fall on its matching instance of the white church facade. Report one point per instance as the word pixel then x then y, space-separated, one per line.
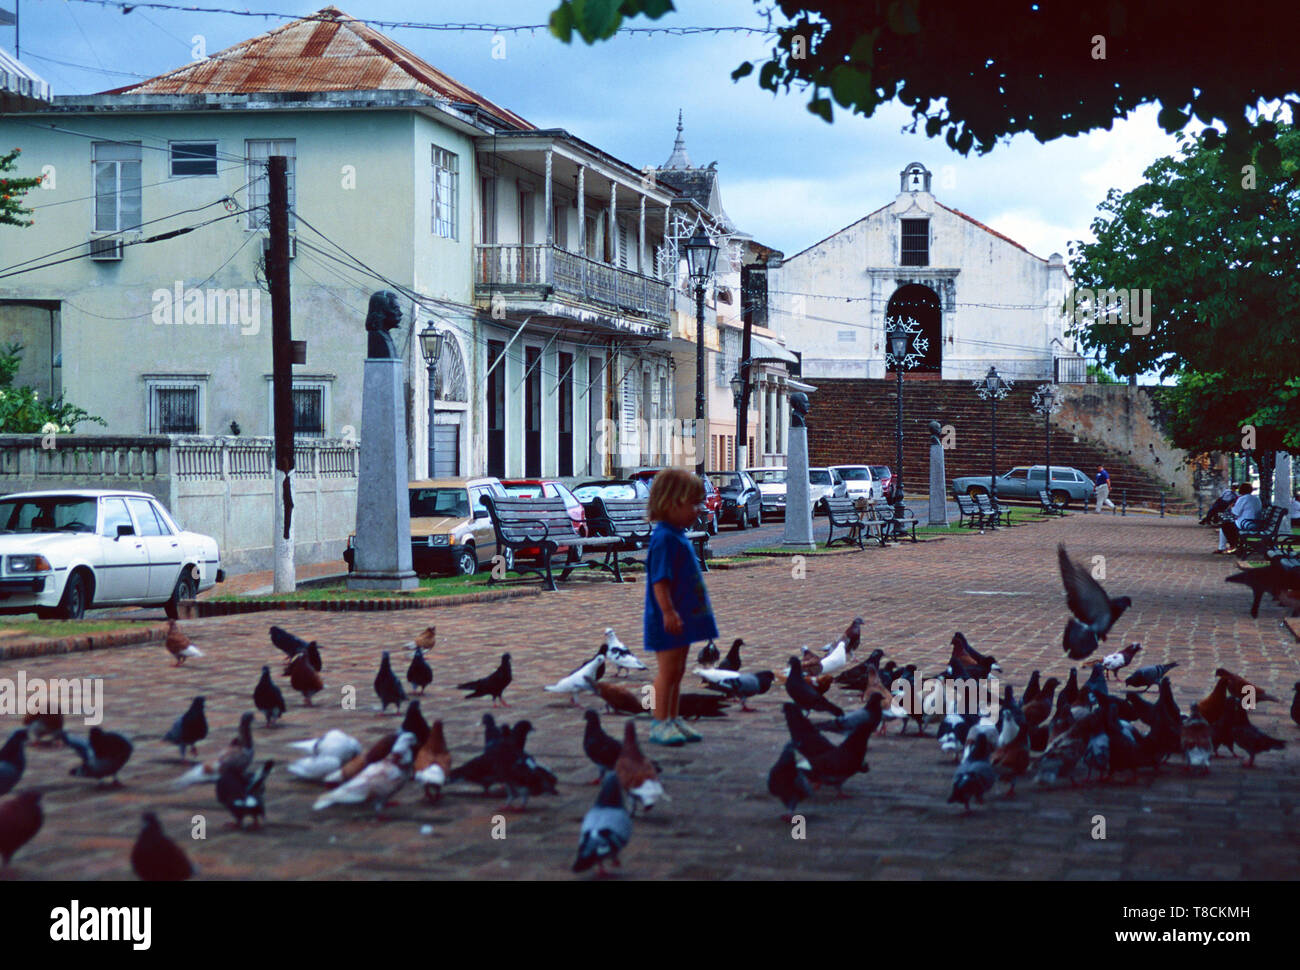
pixel 970 296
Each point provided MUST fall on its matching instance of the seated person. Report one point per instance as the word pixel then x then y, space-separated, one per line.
pixel 1248 509
pixel 1295 506
pixel 1227 498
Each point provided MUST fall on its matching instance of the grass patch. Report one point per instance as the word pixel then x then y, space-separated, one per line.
pixel 429 586
pixel 57 629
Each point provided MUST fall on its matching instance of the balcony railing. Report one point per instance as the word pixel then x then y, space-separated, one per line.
pixel 571 275
pixel 1074 370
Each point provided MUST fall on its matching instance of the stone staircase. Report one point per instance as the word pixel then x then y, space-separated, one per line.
pixel 853 422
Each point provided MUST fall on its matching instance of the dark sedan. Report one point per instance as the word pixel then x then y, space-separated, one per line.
pixel 742 503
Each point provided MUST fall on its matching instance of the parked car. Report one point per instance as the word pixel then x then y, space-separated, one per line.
pixel 451 530
pixel 859 481
pixel 710 509
pixel 64 552
pixel 771 481
pixel 884 480
pixel 824 483
pixel 608 488
pixel 1026 481
pixel 547 488
pixel 742 503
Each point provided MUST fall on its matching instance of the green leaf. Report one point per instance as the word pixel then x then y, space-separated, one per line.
pixel 767 77
pixel 654 9
pixel 822 108
pixel 562 22
pixel 848 85
pixel 742 71
pixel 864 49
pixel 1171 119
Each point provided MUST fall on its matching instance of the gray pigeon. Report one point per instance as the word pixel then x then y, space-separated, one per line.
pixel 1094 612
pixel 189 729
pixel 606 828
pixel 387 686
pixel 788 779
pixel 974 776
pixel 1151 676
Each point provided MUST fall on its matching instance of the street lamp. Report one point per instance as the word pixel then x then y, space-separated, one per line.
pixel 431 347
pixel 701 257
pixel 993 388
pixel 898 341
pixel 1046 403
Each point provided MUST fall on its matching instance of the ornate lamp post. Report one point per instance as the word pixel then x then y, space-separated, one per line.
pixel 738 397
pixel 1046 402
pixel 899 337
pixel 993 388
pixel 701 257
pixel 431 347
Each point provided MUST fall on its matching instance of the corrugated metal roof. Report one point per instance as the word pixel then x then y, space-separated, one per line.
pixel 328 51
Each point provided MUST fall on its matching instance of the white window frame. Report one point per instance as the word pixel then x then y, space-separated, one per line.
pixel 171 158
pixel 445 193
pixel 175 382
pixel 126 172
pixel 256 152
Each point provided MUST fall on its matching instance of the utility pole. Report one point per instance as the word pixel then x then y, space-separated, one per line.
pixel 277 273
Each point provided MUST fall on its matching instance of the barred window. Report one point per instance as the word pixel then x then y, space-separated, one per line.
pixel 174 409
pixel 446 191
pixel 309 411
pixel 916 243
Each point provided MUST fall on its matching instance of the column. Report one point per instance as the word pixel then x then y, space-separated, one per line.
pixel 640 240
pixel 550 205
pixel 612 245
pixel 582 208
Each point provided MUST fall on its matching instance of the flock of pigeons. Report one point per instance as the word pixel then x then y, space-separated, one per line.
pixel 1051 733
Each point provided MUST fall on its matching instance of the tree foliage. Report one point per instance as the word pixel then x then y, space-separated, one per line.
pixel 12 191
pixel 980 72
pixel 23 412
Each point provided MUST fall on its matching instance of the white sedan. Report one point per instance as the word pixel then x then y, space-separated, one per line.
pixel 63 551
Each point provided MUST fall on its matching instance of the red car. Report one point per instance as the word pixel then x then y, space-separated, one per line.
pixel 711 507
pixel 546 488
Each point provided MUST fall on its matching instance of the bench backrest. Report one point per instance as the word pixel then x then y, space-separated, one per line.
pixel 965 503
pixel 842 508
pixel 520 519
pixel 625 518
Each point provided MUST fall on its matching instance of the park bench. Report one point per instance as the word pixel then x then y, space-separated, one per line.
pixel 628 521
pixel 993 511
pixel 856 521
pixel 1045 504
pixel 534 530
pixel 1262 534
pixel 967 509
pixel 896 526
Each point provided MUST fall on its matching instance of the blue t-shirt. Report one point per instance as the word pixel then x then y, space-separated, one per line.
pixel 1103 477
pixel 670 556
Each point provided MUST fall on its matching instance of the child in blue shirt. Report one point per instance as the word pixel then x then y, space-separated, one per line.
pixel 677 608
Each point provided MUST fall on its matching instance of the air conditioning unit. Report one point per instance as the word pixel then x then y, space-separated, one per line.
pixel 106 249
pixel 293 246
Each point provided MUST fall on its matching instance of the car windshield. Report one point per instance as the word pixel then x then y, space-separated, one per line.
pixel 768 476
pixel 880 471
pixel 725 482
pixel 52 513
pixel 855 474
pixel 818 477
pixel 439 503
pixel 585 493
pixel 524 491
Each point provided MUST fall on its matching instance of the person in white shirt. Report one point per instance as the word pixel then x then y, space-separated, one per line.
pixel 1295 506
pixel 1247 509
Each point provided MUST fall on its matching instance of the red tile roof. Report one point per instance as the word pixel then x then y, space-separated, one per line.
pixel 993 232
pixel 327 51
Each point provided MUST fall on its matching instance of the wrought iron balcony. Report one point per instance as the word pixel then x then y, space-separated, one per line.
pixel 531 270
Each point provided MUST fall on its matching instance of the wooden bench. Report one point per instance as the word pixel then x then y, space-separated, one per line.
pixel 992 511
pixel 856 521
pixel 967 509
pixel 1260 535
pixel 896 526
pixel 543 525
pixel 628 521
pixel 1045 504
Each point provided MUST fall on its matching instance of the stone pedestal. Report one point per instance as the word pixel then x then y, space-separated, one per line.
pixel 1282 487
pixel 798 515
pixel 383 542
pixel 938 487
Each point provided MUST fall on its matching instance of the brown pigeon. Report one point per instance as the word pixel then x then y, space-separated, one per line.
pixel 178 644
pixel 637 773
pixel 156 858
pixel 304 678
pixel 20 820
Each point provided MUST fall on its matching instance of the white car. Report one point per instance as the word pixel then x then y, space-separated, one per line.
pixel 861 483
pixel 63 551
pixel 824 483
pixel 771 486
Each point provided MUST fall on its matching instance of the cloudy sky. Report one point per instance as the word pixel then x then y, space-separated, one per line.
pixel 788 178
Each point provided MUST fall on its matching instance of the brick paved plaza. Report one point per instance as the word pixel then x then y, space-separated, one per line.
pixel 720 822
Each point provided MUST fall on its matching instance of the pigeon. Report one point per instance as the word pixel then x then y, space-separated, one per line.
pixel 788 780
pixel 1250 738
pixel 1115 662
pixel 419 675
pixel 1240 687
pixel 156 858
pixel 12 761
pixel 387 686
pixel 606 828
pixel 599 746
pixel 522 776
pixel 304 678
pixel 378 782
pixel 267 698
pixel 43 728
pixel 242 791
pixel 1040 708
pixel 1145 677
pixel 432 763
pixel 709 655
pixel 1196 742
pixel 735 684
pixel 806 738
pixel 102 756
pixel 1031 689
pixel 837 765
pixel 581 677
pixel 977 664
pixel 974 776
pixel 621 656
pixel 238 754
pixel 1096 684
pixel 427 639
pixel 953 732
pixel 178 644
pixel 20 819
pixel 1295 705
pixel 836 660
pixel 853 635
pixel 1010 761
pixel 1094 612
pixel 1278 577
pixel 732 660
pixel 291 646
pixel 190 728
pixel 1070 692
pixel 805 695
pixel 637 773
pixel 326 754
pixel 358 763
pixel 1097 755
pixel 617 699
pixel 870 713
pixel 493 685
pixel 415 723
pixel 696 706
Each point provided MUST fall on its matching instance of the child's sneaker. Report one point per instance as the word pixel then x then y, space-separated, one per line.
pixel 665 732
pixel 689 733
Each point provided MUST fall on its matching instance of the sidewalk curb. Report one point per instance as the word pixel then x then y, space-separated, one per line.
pixel 93 641
pixel 199 609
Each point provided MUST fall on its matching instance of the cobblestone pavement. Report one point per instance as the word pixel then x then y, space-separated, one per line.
pixel 1002 590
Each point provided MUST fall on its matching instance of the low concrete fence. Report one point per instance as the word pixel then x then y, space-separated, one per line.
pixel 220 486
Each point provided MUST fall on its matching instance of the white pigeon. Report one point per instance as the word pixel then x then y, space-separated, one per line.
pixel 432 775
pixel 837 659
pixel 619 653
pixel 577 681
pixel 326 755
pixel 376 782
pixel 987 730
pixel 721 677
pixel 949 742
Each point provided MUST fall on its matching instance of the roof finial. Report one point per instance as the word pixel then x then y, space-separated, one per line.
pixel 679 158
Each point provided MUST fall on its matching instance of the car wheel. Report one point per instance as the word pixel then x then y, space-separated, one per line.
pixel 713 525
pixel 75 598
pixel 975 491
pixel 186 589
pixel 758 518
pixel 743 521
pixel 466 561
pixel 1061 499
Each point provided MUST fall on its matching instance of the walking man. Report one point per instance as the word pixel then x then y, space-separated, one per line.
pixel 1102 482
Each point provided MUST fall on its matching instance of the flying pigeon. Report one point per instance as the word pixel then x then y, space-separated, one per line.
pixel 326 755
pixel 1094 612
pixel 189 729
pixel 102 756
pixel 1145 677
pixel 419 675
pixel 805 695
pixel 20 819
pixel 637 773
pixel 267 698
pixel 304 678
pixel 378 782
pixel 735 684
pixel 243 791
pixel 387 686
pixel 178 644
pixel 12 761
pixel 156 858
pixel 788 779
pixel 238 754
pixel 291 646
pixel 581 677
pixel 606 828
pixel 493 685
pixel 622 657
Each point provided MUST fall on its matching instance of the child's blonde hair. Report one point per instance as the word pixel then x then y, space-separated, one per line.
pixel 670 488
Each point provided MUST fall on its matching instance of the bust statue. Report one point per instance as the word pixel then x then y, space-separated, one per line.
pixel 936 429
pixel 798 409
pixel 384 315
